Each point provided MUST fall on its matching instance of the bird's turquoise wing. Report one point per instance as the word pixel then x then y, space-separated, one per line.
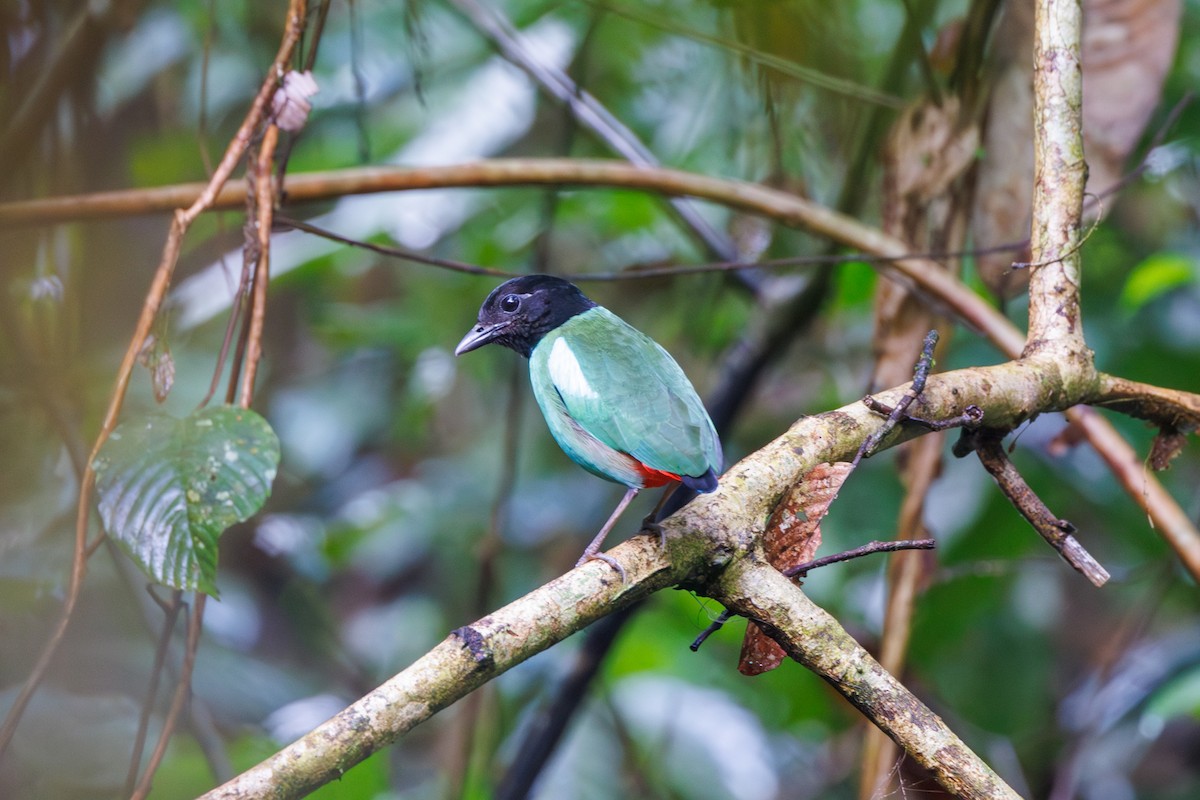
pixel 624 389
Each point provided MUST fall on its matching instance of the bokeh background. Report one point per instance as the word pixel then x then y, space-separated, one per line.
pixel 418 491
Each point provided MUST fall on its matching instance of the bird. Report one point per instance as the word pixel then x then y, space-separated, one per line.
pixel 616 402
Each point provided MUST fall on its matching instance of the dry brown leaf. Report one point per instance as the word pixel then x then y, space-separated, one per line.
pixel 1167 444
pixel 1128 46
pixel 1004 182
pixel 926 154
pixel 155 356
pixel 792 537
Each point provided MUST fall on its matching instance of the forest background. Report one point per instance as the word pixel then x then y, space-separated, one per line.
pixel 416 493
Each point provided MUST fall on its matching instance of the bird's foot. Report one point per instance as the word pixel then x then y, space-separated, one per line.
pixel 650 526
pixel 607 559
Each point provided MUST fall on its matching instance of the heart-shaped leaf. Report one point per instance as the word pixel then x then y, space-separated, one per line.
pixel 170 487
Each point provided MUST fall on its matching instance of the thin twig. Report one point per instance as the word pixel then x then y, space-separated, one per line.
pixel 235 314
pixel 393 252
pixel 183 690
pixel 802 570
pixel 889 546
pixel 265 207
pixel 638 272
pixel 171 615
pixel 920 375
pixel 1072 251
pixel 971 417
pixel 1057 532
pixel 712 628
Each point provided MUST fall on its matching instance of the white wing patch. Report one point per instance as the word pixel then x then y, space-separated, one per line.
pixel 566 372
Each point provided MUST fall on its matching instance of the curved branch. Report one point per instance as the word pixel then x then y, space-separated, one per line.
pixel 1169 520
pixel 943 290
pixel 1169 408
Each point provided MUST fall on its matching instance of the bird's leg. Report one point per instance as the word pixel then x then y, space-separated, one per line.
pixel 593 549
pixel 650 522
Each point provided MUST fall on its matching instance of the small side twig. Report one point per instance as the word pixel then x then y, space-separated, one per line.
pixel 171 611
pixel 801 570
pixel 183 691
pixel 1058 533
pixel 899 413
pixel 890 546
pixel 971 417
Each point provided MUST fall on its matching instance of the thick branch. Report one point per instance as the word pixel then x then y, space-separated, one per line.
pixel 1059 174
pixel 468 658
pixel 756 590
pixel 1169 408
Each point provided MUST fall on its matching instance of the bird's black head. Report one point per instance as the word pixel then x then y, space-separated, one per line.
pixel 519 312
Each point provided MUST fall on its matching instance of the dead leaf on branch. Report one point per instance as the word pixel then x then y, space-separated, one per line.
pixel 1167 445
pixel 793 536
pixel 155 356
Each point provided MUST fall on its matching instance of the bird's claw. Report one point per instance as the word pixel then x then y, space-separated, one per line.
pixel 650 526
pixel 607 559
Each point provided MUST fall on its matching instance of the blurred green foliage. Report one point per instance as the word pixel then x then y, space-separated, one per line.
pixel 398 481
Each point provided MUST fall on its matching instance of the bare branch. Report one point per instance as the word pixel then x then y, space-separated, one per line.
pixel 183 690
pixel 934 284
pixel 264 201
pixel 755 589
pixel 1169 520
pixel 1164 407
pixel 1059 174
pixel 1058 533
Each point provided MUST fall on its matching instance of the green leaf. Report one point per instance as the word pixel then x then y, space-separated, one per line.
pixel 1156 275
pixel 170 487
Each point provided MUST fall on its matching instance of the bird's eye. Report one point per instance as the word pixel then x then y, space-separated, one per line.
pixel 510 303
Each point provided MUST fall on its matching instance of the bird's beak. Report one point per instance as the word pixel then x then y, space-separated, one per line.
pixel 479 336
